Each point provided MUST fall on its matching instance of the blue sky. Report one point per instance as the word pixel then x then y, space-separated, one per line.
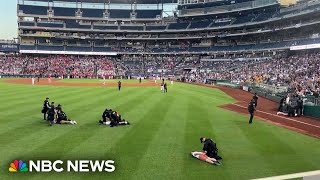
pixel 8 19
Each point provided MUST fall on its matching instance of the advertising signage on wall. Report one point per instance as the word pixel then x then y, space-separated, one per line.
pixel 7 47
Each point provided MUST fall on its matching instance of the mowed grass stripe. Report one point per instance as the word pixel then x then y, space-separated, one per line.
pixel 30 91
pixel 165 150
pixel 23 130
pixel 200 126
pixel 30 113
pixel 116 132
pixel 131 148
pixel 106 138
pixel 264 135
pixel 27 129
pixel 242 160
pixel 37 99
pixel 213 93
pixel 84 130
pixel 212 99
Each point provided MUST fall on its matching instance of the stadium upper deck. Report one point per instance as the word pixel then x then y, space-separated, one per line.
pixel 217 26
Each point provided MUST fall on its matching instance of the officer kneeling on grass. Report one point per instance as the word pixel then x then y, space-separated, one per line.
pixel 210 148
pixel 62 117
pixel 210 152
pixel 112 118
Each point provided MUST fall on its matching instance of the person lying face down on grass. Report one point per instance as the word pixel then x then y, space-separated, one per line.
pixel 203 157
pixel 112 118
pixel 62 117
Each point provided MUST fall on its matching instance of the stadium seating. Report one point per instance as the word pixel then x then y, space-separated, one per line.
pixel 74 24
pixel 263 16
pixel 105 27
pixel 244 19
pixel 211 4
pixel 26 23
pixel 135 28
pixel 58 11
pixel 27 47
pixel 50 24
pixel 79 48
pixel 155 28
pixel 50 48
pixel 119 13
pixel 199 24
pixel 102 49
pixel 148 13
pixel 28 9
pixel 178 25
pixel 98 13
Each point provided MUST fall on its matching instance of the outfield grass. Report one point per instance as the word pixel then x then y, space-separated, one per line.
pixel 107 80
pixel 165 129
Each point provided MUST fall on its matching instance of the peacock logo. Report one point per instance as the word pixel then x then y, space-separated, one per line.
pixel 18 166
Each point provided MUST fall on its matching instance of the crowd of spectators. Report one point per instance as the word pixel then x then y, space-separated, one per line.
pixel 301 72
pixel 57 66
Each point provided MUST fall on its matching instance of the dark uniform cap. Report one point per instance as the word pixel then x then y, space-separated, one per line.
pixel 202 139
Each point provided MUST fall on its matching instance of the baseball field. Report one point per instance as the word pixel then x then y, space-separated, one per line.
pixel 165 128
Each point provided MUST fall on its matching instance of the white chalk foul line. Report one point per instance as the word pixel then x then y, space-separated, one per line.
pixel 291 176
pixel 289 119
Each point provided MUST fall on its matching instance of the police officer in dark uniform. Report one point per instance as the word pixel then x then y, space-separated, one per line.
pixel 119 85
pixel 106 115
pixel 51 114
pixel 165 88
pixel 255 99
pixel 210 148
pixel 251 109
pixel 300 106
pixel 45 108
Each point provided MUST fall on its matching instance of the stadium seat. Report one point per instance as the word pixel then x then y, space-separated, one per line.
pixel 28 9
pixel 26 23
pixel 119 13
pixel 155 28
pixel 178 25
pixel 98 13
pixel 148 13
pixel 135 28
pixel 58 11
pixel 50 24
pixel 199 24
pixel 105 27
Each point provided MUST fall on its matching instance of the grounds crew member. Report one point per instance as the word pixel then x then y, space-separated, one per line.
pixel 251 109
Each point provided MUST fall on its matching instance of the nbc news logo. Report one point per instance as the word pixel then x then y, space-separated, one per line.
pixel 58 166
pixel 16 166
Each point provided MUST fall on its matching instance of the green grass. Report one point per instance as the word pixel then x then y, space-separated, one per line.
pixel 107 80
pixel 165 129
